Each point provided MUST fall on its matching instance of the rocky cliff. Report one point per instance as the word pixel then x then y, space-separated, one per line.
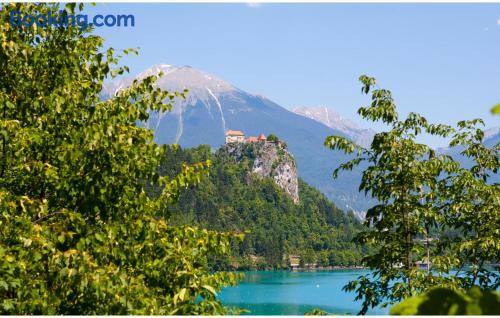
pixel 270 159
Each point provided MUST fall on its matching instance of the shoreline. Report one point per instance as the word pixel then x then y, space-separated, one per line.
pixel 326 268
pixel 306 269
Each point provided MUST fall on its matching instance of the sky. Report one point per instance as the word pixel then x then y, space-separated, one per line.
pixel 440 60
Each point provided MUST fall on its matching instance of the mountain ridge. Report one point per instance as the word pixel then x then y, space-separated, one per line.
pixel 331 118
pixel 213 106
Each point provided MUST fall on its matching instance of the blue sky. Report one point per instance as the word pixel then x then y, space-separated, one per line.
pixel 441 60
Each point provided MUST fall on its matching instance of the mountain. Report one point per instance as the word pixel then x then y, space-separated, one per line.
pixel 331 118
pixel 214 106
pixel 492 136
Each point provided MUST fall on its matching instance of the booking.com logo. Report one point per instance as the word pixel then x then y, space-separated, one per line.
pixel 62 18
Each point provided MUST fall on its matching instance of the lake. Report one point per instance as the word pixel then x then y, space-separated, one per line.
pixel 293 293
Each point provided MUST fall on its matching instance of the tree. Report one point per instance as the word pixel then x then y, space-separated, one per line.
pixel 272 138
pixel 471 206
pixel 421 193
pixel 443 301
pixel 316 312
pixel 78 233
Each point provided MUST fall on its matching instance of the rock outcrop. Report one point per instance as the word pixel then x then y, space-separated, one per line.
pixel 270 159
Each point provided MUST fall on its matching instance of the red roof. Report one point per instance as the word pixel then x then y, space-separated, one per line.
pixel 251 139
pixel 262 137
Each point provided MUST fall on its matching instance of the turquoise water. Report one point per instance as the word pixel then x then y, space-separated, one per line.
pixel 293 293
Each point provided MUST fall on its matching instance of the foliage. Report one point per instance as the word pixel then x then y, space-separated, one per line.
pixel 444 301
pixel 272 138
pixel 316 312
pixel 232 199
pixel 423 196
pixel 496 109
pixel 78 234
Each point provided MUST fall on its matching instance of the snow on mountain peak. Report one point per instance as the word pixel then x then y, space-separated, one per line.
pixel 155 69
pixel 186 77
pixel 326 115
pixel 203 87
pixel 331 118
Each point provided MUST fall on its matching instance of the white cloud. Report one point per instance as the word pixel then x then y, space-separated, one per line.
pixel 254 4
pixel 498 21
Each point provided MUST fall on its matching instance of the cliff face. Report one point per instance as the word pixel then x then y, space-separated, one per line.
pixel 270 159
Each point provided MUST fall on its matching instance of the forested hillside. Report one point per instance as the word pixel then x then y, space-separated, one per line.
pixel 232 198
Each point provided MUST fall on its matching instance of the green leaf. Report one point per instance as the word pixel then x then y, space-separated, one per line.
pixel 210 289
pixel 496 109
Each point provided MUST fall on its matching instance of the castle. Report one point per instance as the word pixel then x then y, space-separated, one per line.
pixel 239 136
